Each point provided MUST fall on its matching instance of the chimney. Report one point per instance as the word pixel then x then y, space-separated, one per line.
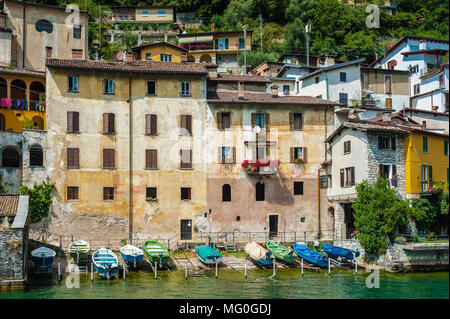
pixel 424 125
pixel 240 90
pixel 130 57
pixel 329 61
pixel 387 117
pixel 183 58
pixel 293 61
pixel 213 27
pixel 274 90
pixel 422 45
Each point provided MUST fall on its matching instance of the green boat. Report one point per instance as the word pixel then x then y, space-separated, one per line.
pixel 156 252
pixel 79 250
pixel 280 252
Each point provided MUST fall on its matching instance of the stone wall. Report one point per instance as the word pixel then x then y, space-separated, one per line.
pixel 32 175
pixel 12 253
pixel 10 178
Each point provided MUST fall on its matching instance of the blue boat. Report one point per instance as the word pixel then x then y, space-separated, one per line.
pixel 43 256
pixel 132 255
pixel 311 256
pixel 335 251
pixel 105 262
pixel 259 255
pixel 208 255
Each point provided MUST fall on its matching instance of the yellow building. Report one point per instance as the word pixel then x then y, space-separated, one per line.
pixel 22 96
pixel 160 51
pixel 221 48
pixel 426 161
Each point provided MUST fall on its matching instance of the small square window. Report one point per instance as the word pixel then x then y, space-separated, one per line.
pixel 343 76
pixel 108 193
pixel 72 193
pixel 298 188
pixel 148 56
pixel 302 219
pixel 77 31
pixel 185 88
pixel 185 193
pixel 151 193
pixel 73 84
pixel 238 218
pixel 109 86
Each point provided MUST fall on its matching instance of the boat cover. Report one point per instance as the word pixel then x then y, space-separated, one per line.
pixel 255 251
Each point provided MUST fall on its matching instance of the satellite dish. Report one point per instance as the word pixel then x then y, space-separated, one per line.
pixel 257 129
pixel 393 62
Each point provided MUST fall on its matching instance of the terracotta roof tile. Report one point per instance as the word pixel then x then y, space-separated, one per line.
pixel 136 66
pixel 23 72
pixel 239 78
pixel 8 204
pixel 264 98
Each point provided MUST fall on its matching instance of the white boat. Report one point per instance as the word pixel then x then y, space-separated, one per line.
pixel 105 262
pixel 79 250
pixel 132 255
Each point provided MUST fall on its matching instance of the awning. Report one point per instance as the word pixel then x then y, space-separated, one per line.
pixel 195 39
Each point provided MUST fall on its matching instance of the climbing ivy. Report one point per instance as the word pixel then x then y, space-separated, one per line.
pixel 40 199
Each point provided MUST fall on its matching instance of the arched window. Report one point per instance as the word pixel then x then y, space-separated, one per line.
pixel 2 123
pixel 18 90
pixel 205 58
pixel 260 193
pixel 3 88
pixel 36 156
pixel 38 122
pixel 226 193
pixel 37 91
pixel 190 58
pixel 10 157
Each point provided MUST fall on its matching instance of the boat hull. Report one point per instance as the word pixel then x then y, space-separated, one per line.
pixel 280 252
pixel 339 251
pixel 43 261
pixel 106 263
pixel 132 259
pixel 311 256
pixel 156 252
pixel 108 273
pixel 208 255
pixel 263 263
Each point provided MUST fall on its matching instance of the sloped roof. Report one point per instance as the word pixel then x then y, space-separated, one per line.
pixel 239 78
pixel 136 66
pixel 333 67
pixel 155 44
pixel 265 98
pixel 23 72
pixel 9 204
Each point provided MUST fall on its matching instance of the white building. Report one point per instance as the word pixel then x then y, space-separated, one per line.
pixel 422 56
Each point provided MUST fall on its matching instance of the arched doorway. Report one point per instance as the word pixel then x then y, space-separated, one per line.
pixel 38 122
pixel 205 59
pixel 10 157
pixel 18 90
pixel 190 58
pixel 3 88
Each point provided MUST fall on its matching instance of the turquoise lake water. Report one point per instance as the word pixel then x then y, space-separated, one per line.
pixel 231 284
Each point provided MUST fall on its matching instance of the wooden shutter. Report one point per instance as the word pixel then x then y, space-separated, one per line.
pixel 105 123
pixel 342 177
pixel 70 122
pixel 388 84
pixel 76 122
pixel 253 120
pixel 352 175
pixel 220 158
pixel 234 154
pixel 430 173
pixel 267 121
pixel 292 154
pixel 73 158
pixel 154 124
pixel 291 121
pixel 148 124
pixel 109 158
pixel 393 146
pixel 148 157
pixel 304 154
pixel 151 159
pixel 111 123
pixel 394 170
pixel 219 120
pixel 183 124
pixel 189 124
pixel 187 164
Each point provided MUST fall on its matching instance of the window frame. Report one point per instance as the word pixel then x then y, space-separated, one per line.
pixel 108 188
pixel 77 188
pixel 165 57
pixel 106 83
pixel 77 31
pixel 75 161
pixel 151 198
pixel 148 153
pixel 73 90
pixel 189 194
pixel 301 190
pixel 147 90
pixel 113 152
pixel 343 77
pixel 184 92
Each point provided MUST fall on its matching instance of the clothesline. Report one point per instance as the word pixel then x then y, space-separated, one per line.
pixel 24 105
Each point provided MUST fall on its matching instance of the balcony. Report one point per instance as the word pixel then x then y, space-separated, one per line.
pixel 431 187
pixel 198 46
pixel 22 105
pixel 261 166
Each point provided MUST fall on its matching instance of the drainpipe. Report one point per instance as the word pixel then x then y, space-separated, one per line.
pixel 130 205
pixel 318 202
pixel 24 37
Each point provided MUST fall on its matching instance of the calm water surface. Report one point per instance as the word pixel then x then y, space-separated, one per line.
pixel 231 284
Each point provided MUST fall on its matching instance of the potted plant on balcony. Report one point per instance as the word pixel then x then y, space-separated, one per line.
pixel 299 161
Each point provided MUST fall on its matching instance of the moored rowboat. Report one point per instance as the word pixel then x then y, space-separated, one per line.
pixel 79 250
pixel 208 255
pixel 156 252
pixel 311 256
pixel 43 256
pixel 280 252
pixel 105 262
pixel 132 255
pixel 258 255
pixel 335 251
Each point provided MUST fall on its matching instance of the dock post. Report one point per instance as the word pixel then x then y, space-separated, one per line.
pixel 274 269
pixel 185 271
pixel 304 236
pixel 59 271
pixel 216 269
pixel 124 271
pixel 156 270
pixel 329 266
pixel 302 266
pixel 92 272
pixel 245 269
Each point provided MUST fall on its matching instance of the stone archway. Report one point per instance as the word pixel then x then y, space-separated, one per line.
pixel 38 122
pixel 190 58
pixel 18 90
pixel 205 59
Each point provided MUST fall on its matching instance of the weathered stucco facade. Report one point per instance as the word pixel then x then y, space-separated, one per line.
pixel 92 217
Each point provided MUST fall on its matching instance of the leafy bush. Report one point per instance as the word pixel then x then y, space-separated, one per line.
pixel 40 199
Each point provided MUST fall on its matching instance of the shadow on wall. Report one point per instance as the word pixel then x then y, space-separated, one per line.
pixel 276 190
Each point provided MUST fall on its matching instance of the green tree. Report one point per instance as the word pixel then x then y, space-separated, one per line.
pixel 255 58
pixel 237 12
pixel 378 213
pixel 40 199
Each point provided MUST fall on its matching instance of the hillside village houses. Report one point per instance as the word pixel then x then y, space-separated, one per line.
pixel 163 140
